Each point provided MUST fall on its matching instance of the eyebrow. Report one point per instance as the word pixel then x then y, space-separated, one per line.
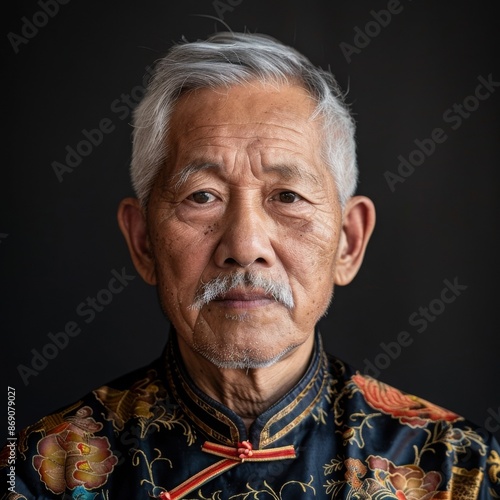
pixel 189 170
pixel 288 172
pixel 291 171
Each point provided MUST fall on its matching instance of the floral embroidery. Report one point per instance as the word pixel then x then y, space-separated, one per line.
pixel 410 410
pixel 494 469
pixel 147 401
pixel 354 433
pixel 71 456
pixel 456 441
pixel 45 426
pixel 276 495
pixel 408 482
pixel 334 465
pixel 161 417
pixel 355 470
pixel 373 441
pixel 15 496
pixel 266 492
pixel 134 402
pixel 150 465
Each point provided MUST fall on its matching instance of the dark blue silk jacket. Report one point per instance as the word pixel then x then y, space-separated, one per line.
pixel 336 434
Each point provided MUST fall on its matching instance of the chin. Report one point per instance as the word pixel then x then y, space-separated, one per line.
pixel 234 358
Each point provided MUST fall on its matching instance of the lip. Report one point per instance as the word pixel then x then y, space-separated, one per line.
pixel 237 299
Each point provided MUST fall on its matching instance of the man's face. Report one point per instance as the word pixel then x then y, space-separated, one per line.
pixel 244 192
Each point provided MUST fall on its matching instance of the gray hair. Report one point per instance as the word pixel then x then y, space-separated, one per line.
pixel 227 59
pixel 220 285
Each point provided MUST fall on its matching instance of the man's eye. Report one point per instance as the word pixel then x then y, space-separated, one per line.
pixel 288 197
pixel 201 197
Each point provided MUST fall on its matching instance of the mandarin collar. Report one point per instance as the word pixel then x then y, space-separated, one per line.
pixel 220 424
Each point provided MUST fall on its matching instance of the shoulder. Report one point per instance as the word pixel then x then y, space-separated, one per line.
pixel 407 409
pixel 392 432
pixel 65 448
pixel 113 404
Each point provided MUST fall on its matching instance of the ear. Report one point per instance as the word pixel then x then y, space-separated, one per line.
pixel 357 227
pixel 132 222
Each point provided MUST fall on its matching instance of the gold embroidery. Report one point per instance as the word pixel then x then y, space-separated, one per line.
pixel 289 408
pixel 388 479
pixel 168 421
pixel 206 428
pixel 15 496
pixel 265 438
pixel 136 459
pixel 44 426
pixel 209 409
pixel 277 495
pixel 137 401
pixel 320 416
pixel 454 439
pixel 354 471
pixel 465 483
pixel 355 433
pixel 334 487
pixel 494 469
pixel 335 464
pixel 215 496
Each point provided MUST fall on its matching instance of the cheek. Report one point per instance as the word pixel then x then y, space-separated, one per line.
pixel 308 255
pixel 312 244
pixel 181 254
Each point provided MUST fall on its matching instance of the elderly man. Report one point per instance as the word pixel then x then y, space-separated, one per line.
pixel 244 168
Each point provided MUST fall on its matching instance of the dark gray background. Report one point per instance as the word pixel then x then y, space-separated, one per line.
pixel 63 241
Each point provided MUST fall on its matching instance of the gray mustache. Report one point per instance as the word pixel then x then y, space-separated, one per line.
pixel 217 287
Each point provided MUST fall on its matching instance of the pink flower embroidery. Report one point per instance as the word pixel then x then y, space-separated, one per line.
pixel 409 482
pixel 70 456
pixel 410 410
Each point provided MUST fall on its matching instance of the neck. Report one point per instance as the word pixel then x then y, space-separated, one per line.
pixel 248 392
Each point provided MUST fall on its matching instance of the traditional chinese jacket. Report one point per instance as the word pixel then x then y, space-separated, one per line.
pixel 336 434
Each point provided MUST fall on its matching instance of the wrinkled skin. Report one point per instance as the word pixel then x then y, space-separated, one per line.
pixel 245 189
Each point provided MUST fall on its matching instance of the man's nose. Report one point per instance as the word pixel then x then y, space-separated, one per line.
pixel 247 237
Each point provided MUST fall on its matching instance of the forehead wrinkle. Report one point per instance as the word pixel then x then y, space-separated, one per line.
pixel 258 137
pixel 224 125
pixel 287 172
